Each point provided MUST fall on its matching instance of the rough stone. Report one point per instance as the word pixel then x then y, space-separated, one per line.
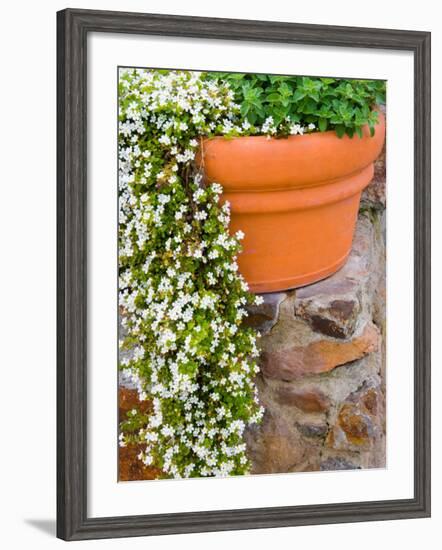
pixel 337 463
pixel 359 423
pixel 354 427
pixel 276 447
pixel 374 195
pixel 339 383
pixel 318 356
pixel 313 430
pixel 265 316
pixel 126 381
pixel 310 399
pixel 338 305
pixel 337 319
pixel 334 386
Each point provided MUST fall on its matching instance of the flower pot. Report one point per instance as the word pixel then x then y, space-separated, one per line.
pixel 296 199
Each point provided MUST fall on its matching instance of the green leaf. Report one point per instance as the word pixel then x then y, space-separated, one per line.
pixel 340 130
pixel 310 106
pixel 285 90
pixel 323 124
pixel 252 117
pixel 245 108
pixel 273 98
pixel 298 95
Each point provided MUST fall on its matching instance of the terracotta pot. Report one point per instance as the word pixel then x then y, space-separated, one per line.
pixel 296 199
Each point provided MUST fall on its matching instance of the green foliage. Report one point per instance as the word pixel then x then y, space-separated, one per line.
pixel 183 297
pixel 336 104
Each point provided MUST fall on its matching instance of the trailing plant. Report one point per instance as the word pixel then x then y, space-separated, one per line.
pixel 283 105
pixel 182 295
pixel 180 290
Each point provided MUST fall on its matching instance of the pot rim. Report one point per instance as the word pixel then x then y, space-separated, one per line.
pixel 258 163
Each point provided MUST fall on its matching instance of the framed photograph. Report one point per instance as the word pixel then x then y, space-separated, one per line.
pixel 243 274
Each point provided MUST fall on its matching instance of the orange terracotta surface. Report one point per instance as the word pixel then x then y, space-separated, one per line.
pixel 296 199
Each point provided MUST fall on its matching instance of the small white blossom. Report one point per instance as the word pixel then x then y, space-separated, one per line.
pixel 177 275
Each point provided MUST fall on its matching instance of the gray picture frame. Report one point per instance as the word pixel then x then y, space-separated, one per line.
pixel 73 27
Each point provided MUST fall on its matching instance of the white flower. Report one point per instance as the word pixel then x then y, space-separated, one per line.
pixel 217 188
pixel 227 126
pixel 199 193
pixel 174 310
pixel 296 129
pixel 147 460
pixel 167 431
pixel 163 199
pixel 269 126
pixel 200 215
pixel 165 139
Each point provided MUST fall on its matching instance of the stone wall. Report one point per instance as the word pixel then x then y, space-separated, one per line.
pixel 322 379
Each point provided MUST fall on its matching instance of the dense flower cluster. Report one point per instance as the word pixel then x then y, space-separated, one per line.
pixel 182 295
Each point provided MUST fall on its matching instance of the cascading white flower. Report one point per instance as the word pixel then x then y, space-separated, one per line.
pixel 180 287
